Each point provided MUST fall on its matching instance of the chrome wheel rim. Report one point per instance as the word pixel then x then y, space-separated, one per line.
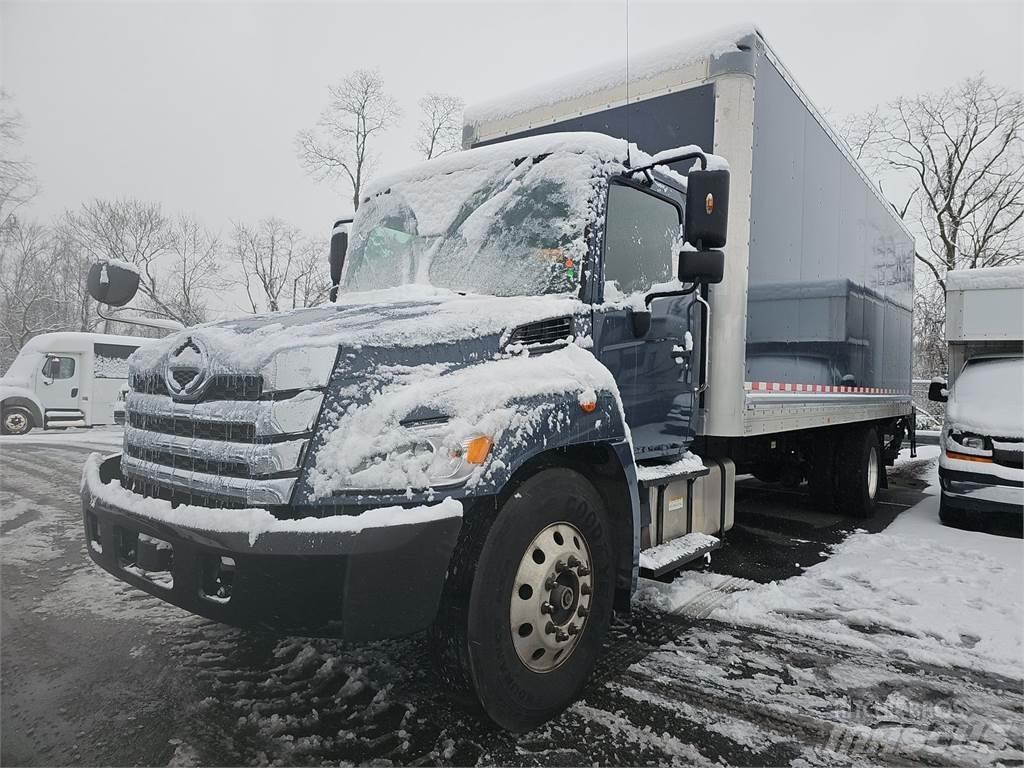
pixel 872 472
pixel 551 597
pixel 15 422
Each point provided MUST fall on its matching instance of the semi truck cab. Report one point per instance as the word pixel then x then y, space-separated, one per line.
pixel 452 445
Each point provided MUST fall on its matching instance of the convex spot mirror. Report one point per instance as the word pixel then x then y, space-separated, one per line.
pixel 707 208
pixel 112 284
pixel 701 266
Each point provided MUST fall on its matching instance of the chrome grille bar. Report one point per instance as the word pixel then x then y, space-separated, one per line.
pixel 271 418
pixel 261 458
pixel 254 492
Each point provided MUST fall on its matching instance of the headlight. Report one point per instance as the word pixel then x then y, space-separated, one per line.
pixel 968 447
pixel 432 458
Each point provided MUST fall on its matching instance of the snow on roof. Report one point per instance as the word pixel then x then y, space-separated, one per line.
pixel 986 278
pixel 642 66
pixel 72 341
pixel 598 145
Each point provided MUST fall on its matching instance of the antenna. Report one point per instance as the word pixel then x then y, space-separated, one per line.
pixel 627 83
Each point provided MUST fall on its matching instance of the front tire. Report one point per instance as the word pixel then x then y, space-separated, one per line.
pixel 519 579
pixel 16 421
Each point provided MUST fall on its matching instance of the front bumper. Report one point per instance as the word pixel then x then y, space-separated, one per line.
pixel 980 493
pixel 375 583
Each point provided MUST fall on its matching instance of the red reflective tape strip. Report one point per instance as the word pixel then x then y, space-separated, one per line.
pixel 778 386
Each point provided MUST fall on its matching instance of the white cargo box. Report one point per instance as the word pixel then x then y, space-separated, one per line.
pixel 985 304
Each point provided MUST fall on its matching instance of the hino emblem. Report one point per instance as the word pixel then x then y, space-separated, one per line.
pixel 186 371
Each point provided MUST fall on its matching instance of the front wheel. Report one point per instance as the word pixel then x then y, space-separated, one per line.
pixel 16 421
pixel 528 599
pixel 859 471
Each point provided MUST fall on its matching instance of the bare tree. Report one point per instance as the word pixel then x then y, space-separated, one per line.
pixel 961 152
pixel 28 304
pixel 440 128
pixel 339 145
pixel 958 159
pixel 276 265
pixel 17 183
pixel 195 270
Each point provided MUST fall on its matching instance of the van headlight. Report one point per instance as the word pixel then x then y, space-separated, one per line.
pixel 432 457
pixel 967 446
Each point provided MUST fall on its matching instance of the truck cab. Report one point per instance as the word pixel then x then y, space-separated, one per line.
pixel 454 443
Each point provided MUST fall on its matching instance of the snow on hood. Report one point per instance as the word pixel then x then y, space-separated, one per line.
pixel 988 398
pixel 411 315
pixel 490 398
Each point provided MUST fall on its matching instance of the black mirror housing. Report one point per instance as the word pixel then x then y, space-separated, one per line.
pixel 701 266
pixel 339 247
pixel 112 284
pixel 707 208
pixel 937 392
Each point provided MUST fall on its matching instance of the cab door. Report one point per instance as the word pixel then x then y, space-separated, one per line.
pixel 59 388
pixel 654 370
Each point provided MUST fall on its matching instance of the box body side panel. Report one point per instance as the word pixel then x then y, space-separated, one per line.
pixel 831 268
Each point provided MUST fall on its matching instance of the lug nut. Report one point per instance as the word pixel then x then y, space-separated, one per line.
pixel 549 629
pixel 573 629
pixel 562 636
pixel 585 589
pixel 583 571
pixel 546 607
pixel 573 561
pixel 560 566
pixel 582 611
pixel 549 583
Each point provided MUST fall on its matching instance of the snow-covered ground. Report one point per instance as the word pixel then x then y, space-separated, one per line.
pixel 106 438
pixel 918 591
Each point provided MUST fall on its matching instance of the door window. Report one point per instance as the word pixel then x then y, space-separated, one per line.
pixel 59 368
pixel 639 238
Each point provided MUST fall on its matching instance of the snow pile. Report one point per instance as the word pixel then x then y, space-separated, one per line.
pixel 987 278
pixel 689 462
pixel 988 398
pixel 917 591
pixel 370 447
pixel 255 522
pixel 643 66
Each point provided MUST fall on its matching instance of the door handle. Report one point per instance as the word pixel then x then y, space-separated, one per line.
pixel 681 354
pixel 74 391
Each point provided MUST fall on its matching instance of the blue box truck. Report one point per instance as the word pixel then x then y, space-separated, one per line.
pixel 548 358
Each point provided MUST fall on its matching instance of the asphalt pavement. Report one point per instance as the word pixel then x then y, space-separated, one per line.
pixel 96 673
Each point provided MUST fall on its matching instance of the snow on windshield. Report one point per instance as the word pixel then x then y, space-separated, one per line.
pixel 502 226
pixel 988 397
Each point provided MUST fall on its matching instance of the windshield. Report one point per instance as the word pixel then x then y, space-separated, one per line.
pixel 501 228
pixel 988 396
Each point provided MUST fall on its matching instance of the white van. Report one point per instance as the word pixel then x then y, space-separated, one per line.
pixel 65 380
pixel 981 465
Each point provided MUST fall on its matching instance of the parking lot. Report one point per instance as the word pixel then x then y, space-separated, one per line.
pixel 96 673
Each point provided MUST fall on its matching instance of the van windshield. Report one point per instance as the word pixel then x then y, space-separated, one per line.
pixel 503 228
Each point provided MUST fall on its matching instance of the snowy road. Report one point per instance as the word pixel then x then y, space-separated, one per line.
pixel 709 669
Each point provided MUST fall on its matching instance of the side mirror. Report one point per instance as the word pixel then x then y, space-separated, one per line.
pixel 937 391
pixel 701 266
pixel 707 209
pixel 51 368
pixel 339 246
pixel 112 282
pixel 641 320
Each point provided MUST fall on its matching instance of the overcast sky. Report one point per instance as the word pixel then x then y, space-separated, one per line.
pixel 196 105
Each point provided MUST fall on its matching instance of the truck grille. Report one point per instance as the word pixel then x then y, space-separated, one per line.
pixel 220 387
pixel 218 452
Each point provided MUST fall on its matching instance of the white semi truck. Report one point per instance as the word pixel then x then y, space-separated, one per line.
pixel 65 379
pixel 981 466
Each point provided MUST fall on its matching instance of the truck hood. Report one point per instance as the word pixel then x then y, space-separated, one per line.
pixel 410 316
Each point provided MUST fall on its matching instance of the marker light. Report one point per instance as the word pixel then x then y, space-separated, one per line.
pixel 477 449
